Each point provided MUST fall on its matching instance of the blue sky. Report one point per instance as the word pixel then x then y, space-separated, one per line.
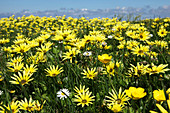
pixel 41 5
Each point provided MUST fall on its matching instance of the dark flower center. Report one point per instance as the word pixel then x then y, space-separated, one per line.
pixel 111 70
pixel 118 101
pixel 54 75
pixel 141 36
pixel 140 51
pixel 84 101
pixel 23 81
pixel 29 108
pixel 71 55
pixel 90 75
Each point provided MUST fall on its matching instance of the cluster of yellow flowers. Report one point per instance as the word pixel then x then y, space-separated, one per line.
pixel 60 48
pixel 26 105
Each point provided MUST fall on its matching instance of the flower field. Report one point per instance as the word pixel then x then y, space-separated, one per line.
pixel 82 65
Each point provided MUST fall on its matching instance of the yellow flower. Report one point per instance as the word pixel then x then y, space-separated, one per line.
pixel 14 107
pixel 58 37
pixel 168 92
pixel 161 108
pixel 22 48
pixel 140 50
pixel 137 71
pixel 90 73
pixel 3 41
pixel 15 67
pixel 162 32
pixel 117 98
pixel 21 79
pixel 53 71
pixel 18 59
pixel 135 93
pixel 159 95
pixel 28 106
pixel 12 91
pixel 110 69
pixel 81 90
pixel 38 106
pixel 157 69
pixel 104 58
pixel 84 98
pixel 43 49
pixel 72 53
pixel 143 36
pixel 30 69
pixel 115 107
pixel 1 78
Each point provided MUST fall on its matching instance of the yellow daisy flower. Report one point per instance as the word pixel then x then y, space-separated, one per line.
pixel 21 78
pixel 53 71
pixel 84 98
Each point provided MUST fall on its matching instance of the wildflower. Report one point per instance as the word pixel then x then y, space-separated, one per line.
pixel 88 39
pixel 81 90
pixel 122 44
pixel 168 92
pixel 19 41
pixel 153 54
pixel 15 60
pixel 84 98
pixel 44 48
pixel 30 69
pixel 162 44
pixel 28 106
pixel 104 43
pixel 58 38
pixel 65 33
pixel 22 48
pixel 21 78
pixel 12 91
pixel 38 57
pixel 135 93
pixel 104 58
pixel 162 32
pixel 72 53
pixel 1 78
pixel 159 95
pixel 87 53
pixel 138 71
pixel 80 44
pixel 42 38
pixel 100 38
pixel 161 108
pixel 132 44
pixel 130 33
pixel 15 67
pixel 1 92
pixel 53 71
pixel 117 98
pixel 140 50
pixel 144 36
pixel 3 41
pixel 157 69
pixel 38 106
pixel 14 107
pixel 63 93
pixel 115 107
pixel 110 37
pixel 110 69
pixel 119 38
pixel 90 73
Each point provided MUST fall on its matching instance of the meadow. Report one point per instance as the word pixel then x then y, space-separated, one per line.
pixel 83 65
